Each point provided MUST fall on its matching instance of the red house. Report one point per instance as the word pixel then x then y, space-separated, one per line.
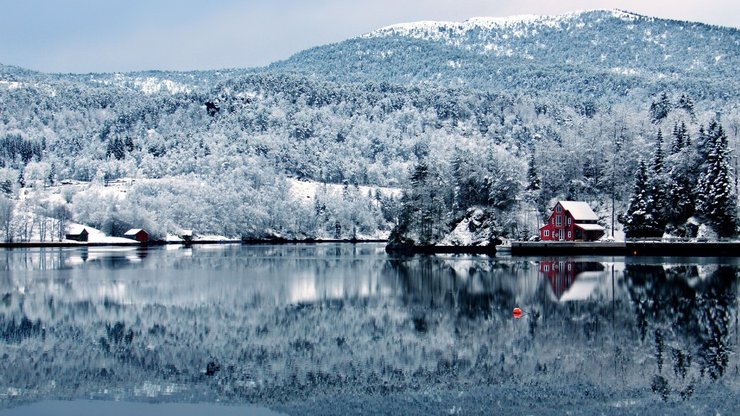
pixel 137 234
pixel 572 221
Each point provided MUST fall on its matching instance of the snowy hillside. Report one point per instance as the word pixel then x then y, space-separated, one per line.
pixel 599 52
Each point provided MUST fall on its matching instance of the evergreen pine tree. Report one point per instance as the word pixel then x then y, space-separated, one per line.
pixel 639 219
pixel 657 184
pixel 658 156
pixel 717 201
pixel 679 198
pixel 685 103
pixel 532 175
pixel 426 203
pixel 680 138
pixel 660 109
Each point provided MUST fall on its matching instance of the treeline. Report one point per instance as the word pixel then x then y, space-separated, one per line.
pixel 694 178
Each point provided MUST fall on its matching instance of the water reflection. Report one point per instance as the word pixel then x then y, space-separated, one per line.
pixel 270 324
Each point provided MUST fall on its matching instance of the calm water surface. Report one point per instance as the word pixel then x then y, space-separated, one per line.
pixel 341 328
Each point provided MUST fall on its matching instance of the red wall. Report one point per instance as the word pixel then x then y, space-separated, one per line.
pixel 562 229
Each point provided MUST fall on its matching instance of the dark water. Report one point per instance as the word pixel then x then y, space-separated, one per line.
pixel 338 328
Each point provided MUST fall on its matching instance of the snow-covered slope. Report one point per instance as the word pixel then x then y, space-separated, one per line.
pixel 519 26
pixel 510 53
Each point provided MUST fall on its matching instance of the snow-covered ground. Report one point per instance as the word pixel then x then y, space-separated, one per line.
pixel 27 217
pixel 305 190
pixel 96 236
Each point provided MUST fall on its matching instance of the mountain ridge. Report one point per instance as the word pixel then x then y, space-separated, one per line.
pixel 610 47
pixel 493 22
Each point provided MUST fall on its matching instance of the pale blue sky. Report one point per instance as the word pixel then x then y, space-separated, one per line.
pixel 125 35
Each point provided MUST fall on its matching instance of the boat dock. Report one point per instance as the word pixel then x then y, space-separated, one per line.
pixel 629 248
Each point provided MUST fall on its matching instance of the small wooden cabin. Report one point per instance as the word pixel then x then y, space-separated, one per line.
pixel 137 234
pixel 572 221
pixel 77 233
pixel 187 236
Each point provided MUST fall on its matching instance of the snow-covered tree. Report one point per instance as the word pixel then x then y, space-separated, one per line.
pixel 533 178
pixel 717 201
pixel 640 219
pixel 659 109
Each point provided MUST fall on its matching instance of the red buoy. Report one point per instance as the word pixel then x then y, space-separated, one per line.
pixel 517 313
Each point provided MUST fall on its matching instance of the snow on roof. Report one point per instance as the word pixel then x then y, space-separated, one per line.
pixel 75 229
pixel 590 227
pixel 133 231
pixel 580 210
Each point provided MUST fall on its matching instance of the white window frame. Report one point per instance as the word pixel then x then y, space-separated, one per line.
pixel 546 233
pixel 547 268
pixel 570 234
pixel 559 208
pixel 558 220
pixel 570 220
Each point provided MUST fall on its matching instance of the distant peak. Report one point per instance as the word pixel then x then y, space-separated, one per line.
pixel 429 27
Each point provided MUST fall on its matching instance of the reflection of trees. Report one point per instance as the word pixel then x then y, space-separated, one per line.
pixel 685 312
pixel 426 281
pixel 713 316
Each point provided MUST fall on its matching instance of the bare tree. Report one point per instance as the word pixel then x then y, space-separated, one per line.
pixel 6 217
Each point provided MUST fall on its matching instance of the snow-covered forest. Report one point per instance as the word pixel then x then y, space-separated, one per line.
pixel 644 128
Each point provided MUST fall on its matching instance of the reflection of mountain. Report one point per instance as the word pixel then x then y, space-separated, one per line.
pixel 571 280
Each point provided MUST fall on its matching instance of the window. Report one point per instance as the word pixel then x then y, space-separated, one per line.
pixel 547 268
pixel 559 208
pixel 570 220
pixel 546 233
pixel 558 220
pixel 570 234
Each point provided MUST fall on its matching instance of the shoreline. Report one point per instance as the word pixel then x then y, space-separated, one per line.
pixel 68 244
pixel 569 248
pixel 517 248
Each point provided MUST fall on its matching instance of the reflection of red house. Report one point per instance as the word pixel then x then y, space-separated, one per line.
pixel 137 234
pixel 572 221
pixel 561 274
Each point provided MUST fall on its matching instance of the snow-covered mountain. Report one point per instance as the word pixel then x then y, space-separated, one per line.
pixel 597 52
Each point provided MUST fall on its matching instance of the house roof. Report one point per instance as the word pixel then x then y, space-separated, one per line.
pixel 76 230
pixel 590 227
pixel 580 210
pixel 133 231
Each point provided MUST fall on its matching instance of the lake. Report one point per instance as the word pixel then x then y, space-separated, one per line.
pixel 346 328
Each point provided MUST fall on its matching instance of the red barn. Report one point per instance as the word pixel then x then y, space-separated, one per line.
pixel 572 221
pixel 137 234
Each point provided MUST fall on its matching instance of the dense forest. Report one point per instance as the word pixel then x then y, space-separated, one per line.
pixel 652 144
